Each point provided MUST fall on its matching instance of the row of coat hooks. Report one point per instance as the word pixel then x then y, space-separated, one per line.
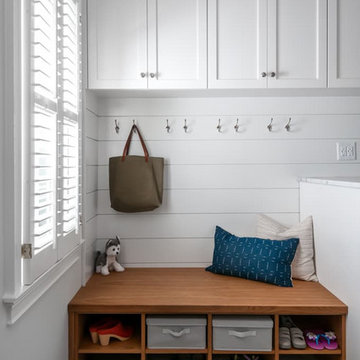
pixel 287 127
pixel 117 127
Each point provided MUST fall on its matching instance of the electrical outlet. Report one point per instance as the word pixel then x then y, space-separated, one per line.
pixel 346 150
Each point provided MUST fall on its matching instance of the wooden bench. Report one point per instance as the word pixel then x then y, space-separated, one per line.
pixel 141 291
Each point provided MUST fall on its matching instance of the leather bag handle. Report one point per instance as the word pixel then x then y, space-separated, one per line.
pixel 134 128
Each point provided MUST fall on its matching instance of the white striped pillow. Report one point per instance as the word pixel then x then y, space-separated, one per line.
pixel 303 265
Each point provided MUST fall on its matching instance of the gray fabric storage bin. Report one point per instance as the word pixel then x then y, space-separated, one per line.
pixel 253 333
pixel 176 332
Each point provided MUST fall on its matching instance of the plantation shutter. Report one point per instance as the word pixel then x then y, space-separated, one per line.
pixel 69 161
pixel 54 133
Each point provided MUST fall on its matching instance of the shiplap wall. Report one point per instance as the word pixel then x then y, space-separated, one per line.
pixel 90 155
pixel 214 178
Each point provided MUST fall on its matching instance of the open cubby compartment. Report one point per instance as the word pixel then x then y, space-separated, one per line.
pixel 240 356
pixel 334 323
pixel 110 357
pixel 176 357
pixel 309 357
pixel 86 346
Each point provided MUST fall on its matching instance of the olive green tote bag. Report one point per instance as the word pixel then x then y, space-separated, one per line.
pixel 136 182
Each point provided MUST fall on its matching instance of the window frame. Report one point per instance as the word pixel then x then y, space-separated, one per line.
pixel 17 297
pixel 64 115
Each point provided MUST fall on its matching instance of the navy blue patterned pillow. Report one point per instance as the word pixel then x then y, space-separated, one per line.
pixel 253 258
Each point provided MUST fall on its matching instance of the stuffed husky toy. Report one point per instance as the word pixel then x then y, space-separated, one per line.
pixel 107 261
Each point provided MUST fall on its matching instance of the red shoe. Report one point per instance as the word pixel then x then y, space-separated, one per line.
pixel 119 331
pixel 100 325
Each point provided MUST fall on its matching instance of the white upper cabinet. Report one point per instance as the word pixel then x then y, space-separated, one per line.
pixel 117 44
pixel 344 43
pixel 139 44
pixel 177 44
pixel 297 43
pixel 237 43
pixel 267 43
pixel 228 44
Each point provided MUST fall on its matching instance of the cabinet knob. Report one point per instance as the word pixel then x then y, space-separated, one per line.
pixel 142 74
pixel 263 74
pixel 152 75
pixel 272 74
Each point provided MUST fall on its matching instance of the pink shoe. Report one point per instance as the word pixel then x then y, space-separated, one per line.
pixel 312 338
pixel 329 340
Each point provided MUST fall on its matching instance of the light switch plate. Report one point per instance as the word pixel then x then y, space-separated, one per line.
pixel 346 150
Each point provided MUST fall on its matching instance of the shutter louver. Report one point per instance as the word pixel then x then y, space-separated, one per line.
pixel 69 177
pixel 70 56
pixel 44 48
pixel 44 175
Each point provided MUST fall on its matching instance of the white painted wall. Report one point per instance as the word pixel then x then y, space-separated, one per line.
pixel 336 212
pixel 216 178
pixel 41 333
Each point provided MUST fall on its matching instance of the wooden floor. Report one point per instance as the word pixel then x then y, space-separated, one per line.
pixel 189 290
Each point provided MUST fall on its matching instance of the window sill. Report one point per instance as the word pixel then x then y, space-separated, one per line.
pixel 18 304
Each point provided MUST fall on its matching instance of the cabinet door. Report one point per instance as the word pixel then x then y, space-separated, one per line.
pixel 297 43
pixel 344 43
pixel 237 43
pixel 177 44
pixel 117 53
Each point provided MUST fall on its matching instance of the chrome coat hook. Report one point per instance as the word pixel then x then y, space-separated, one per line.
pixel 219 126
pixel 270 126
pixel 185 127
pixel 117 127
pixel 288 126
pixel 237 126
pixel 167 126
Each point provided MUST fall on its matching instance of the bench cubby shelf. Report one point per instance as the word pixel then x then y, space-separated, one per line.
pixel 137 293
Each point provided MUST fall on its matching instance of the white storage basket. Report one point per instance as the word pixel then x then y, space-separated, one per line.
pixel 176 332
pixel 253 333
